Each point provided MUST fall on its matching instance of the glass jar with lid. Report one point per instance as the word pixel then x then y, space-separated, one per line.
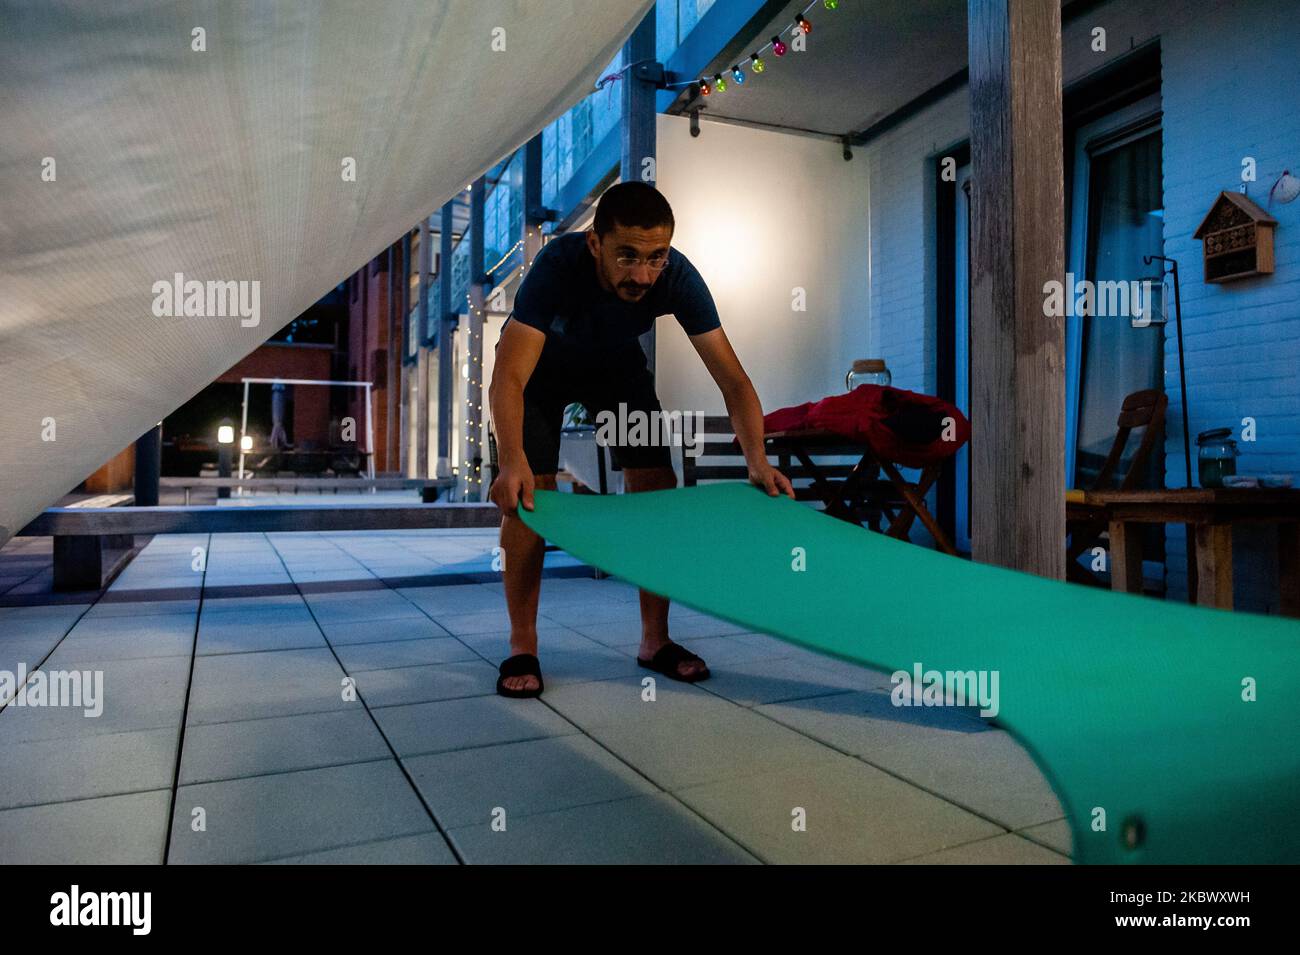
pixel 867 371
pixel 1216 456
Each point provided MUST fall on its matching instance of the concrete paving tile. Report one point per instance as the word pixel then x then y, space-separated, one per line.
pixel 643 830
pixel 142 608
pixel 360 606
pixel 775 646
pixel 782 678
pixel 1054 835
pixel 616 608
pixel 702 625
pixel 943 749
pixel 867 722
pixel 625 702
pixel 271 614
pixel 243 632
pixel 77 650
pixel 114 627
pixel 623 632
pixel 459 724
pixel 454 599
pixel 359 657
pixel 853 814
pixel 286 814
pixel 348 632
pixel 496 645
pixel 565 667
pixel 279 744
pixel 215 605
pixel 23 620
pixel 113 830
pixel 109 764
pixel 465 624
pixel 674 753
pixel 245 686
pixel 24 653
pixel 464 788
pixel 423 684
pixel 427 849
pixel 136 695
pixel 341 574
pixel 727 651
pixel 1006 849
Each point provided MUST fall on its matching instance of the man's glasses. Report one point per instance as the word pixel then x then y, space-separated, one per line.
pixel 656 264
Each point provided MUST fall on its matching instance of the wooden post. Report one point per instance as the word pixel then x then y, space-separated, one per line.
pixel 1214 565
pixel 1288 569
pixel 1018 244
pixel 1125 557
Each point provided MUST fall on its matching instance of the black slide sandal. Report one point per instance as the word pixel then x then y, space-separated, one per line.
pixel 669 657
pixel 521 664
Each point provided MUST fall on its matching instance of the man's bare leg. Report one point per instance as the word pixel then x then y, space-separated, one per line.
pixel 654 609
pixel 524 552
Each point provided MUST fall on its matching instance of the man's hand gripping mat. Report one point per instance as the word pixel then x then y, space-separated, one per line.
pixel 1181 724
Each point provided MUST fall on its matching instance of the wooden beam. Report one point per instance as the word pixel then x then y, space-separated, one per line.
pixel 1018 244
pixel 637 162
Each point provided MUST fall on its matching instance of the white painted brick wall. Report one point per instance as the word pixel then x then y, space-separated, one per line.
pixel 1229 73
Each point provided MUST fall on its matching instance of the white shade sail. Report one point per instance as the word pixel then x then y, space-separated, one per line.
pixel 132 163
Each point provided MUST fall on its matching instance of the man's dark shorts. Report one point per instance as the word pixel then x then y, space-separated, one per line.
pixel 599 383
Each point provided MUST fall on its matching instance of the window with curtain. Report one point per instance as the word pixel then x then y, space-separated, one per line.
pixel 1125 218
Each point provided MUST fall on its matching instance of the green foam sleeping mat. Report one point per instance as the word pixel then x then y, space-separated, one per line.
pixel 1136 707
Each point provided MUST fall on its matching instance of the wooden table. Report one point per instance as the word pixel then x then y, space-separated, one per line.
pixel 851 497
pixel 1210 515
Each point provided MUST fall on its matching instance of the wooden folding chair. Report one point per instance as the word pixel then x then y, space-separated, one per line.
pixel 1141 409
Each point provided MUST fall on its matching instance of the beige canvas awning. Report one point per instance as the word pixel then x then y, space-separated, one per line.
pixel 129 157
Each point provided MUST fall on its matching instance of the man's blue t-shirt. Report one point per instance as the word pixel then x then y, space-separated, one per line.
pixel 562 297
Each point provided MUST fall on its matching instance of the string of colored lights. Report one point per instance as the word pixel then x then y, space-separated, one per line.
pixel 801 26
pixel 474 368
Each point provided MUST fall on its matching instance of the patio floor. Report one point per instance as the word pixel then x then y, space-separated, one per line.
pixel 226 736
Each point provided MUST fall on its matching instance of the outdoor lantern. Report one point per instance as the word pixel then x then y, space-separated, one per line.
pixel 226 434
pixel 804 25
pixel 246 443
pixel 736 75
pixel 705 89
pixel 777 46
pixel 830 4
pixel 756 63
pixel 719 83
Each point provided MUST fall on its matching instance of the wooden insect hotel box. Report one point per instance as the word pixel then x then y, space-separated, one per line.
pixel 1237 239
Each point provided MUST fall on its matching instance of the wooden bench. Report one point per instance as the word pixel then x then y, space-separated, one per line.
pixel 84 562
pixel 429 488
pixel 80 532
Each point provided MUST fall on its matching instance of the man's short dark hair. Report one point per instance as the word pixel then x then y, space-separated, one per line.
pixel 635 205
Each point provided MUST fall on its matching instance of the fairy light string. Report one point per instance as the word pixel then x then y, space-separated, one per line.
pixel 801 26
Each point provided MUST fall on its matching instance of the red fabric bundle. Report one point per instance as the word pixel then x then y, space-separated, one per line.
pixel 900 426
